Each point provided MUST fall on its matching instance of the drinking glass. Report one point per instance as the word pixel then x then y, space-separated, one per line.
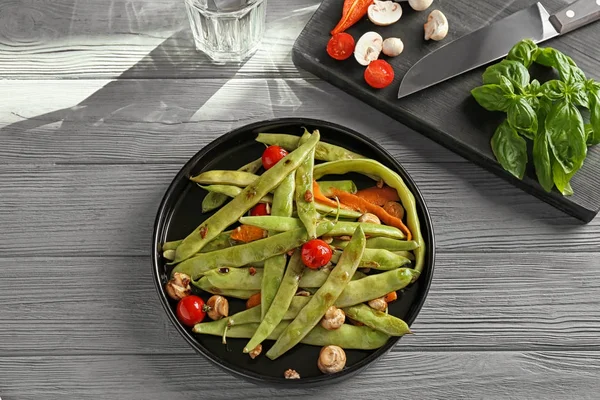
pixel 227 30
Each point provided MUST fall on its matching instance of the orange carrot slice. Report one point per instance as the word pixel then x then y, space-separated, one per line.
pixel 378 196
pixel 248 233
pixel 364 206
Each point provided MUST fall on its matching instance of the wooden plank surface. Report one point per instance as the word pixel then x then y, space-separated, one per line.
pixel 477 302
pixel 513 311
pixel 448 113
pixel 431 375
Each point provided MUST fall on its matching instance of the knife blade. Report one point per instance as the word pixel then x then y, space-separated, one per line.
pixel 494 41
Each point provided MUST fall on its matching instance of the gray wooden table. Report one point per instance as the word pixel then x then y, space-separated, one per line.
pixel 102 103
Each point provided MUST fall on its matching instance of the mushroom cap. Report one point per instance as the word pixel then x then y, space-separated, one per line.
pixel 392 47
pixel 332 359
pixel 420 5
pixel 368 48
pixel 384 13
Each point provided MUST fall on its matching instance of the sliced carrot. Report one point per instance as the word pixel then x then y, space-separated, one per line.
pixel 248 233
pixel 378 195
pixel 253 300
pixel 363 206
pixel 320 197
pixel 391 296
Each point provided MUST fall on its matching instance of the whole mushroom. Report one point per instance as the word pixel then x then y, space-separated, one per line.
pixel 393 47
pixel 368 48
pixel 333 319
pixel 332 359
pixel 218 307
pixel 384 13
pixel 420 5
pixel 178 287
pixel 436 27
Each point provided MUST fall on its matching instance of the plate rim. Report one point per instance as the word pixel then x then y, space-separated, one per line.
pixel 162 218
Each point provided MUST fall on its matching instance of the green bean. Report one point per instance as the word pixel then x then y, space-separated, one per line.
pixel 232 191
pixel 214 200
pixel 251 279
pixel 283 205
pixel 204 284
pixel 347 336
pixel 225 177
pixel 323 151
pixel 406 254
pixel 233 210
pixel 343 212
pixel 222 241
pixel 383 243
pixel 247 253
pixel 342 228
pixel 325 297
pixel 250 316
pixel 346 186
pixel 305 202
pixel 372 167
pixel 386 323
pixel 374 286
pixel 377 259
pixel 281 301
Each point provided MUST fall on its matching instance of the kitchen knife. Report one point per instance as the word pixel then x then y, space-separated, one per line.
pixel 494 41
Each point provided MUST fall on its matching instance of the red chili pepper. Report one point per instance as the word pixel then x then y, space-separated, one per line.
pixel 352 12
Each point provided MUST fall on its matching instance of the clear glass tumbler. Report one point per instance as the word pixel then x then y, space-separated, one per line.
pixel 227 30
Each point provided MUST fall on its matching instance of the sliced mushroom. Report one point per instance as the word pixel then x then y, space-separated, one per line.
pixel 436 27
pixel 393 47
pixel 178 287
pixel 370 218
pixel 333 319
pixel 420 5
pixel 368 48
pixel 384 13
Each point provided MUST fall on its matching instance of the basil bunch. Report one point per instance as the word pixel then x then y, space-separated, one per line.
pixel 549 115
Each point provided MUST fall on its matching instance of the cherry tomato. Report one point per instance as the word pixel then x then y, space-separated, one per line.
pixel 190 310
pixel 316 253
pixel 272 155
pixel 379 74
pixel 260 209
pixel 340 46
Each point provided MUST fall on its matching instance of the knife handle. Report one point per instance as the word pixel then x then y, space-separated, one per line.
pixel 576 15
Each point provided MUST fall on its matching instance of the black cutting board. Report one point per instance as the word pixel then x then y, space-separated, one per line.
pixel 446 112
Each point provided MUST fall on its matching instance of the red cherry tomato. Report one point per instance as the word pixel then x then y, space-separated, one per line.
pixel 340 46
pixel 316 253
pixel 190 310
pixel 260 209
pixel 379 74
pixel 272 155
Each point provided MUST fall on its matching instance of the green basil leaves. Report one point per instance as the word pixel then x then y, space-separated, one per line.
pixel 548 114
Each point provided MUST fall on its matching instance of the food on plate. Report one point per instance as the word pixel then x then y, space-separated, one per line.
pixel 291 374
pixel 393 46
pixel 379 74
pixel 341 46
pixel 352 12
pixel 299 273
pixel 368 48
pixel 546 115
pixel 332 359
pixel 436 27
pixel 384 13
pixel 420 5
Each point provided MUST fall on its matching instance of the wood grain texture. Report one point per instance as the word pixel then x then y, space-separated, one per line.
pixel 447 112
pixel 168 120
pixel 109 209
pixel 67 39
pixel 440 375
pixel 477 301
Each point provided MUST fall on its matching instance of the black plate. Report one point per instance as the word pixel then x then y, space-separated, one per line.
pixel 180 212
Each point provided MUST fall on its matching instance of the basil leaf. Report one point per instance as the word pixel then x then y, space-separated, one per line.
pixel 554 90
pixel 594 106
pixel 542 162
pixel 561 179
pixel 510 149
pixel 493 97
pixel 522 117
pixel 513 70
pixel 566 135
pixel 567 69
pixel 524 52
pixel 577 93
